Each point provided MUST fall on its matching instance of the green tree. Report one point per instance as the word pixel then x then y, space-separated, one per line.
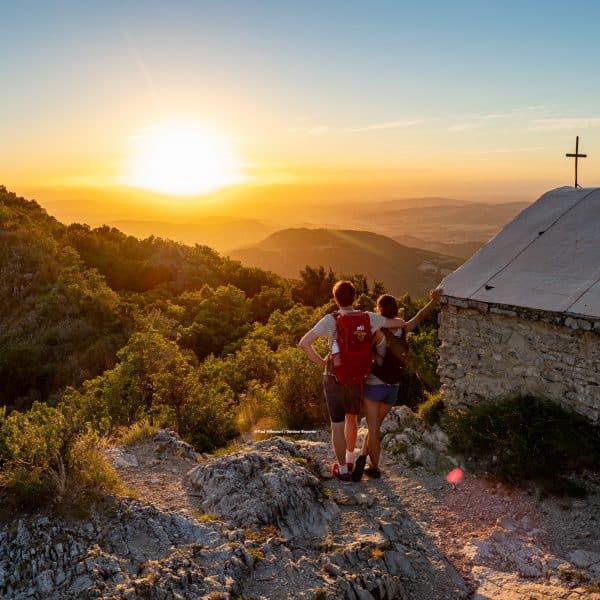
pixel 268 300
pixel 315 287
pixel 221 319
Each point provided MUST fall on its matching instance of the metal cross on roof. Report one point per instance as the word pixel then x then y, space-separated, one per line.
pixel 576 156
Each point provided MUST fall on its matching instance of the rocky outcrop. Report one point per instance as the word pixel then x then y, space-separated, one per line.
pixel 267 484
pixel 167 440
pixel 266 527
pixel 405 436
pixel 131 551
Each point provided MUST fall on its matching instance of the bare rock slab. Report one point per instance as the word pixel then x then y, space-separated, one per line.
pixel 268 484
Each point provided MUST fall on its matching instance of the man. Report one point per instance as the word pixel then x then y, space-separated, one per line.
pixel 343 401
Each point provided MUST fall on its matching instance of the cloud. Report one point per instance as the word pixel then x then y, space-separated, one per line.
pixel 512 150
pixel 463 127
pixel 562 123
pixel 319 130
pixel 322 129
pixel 519 113
pixel 386 125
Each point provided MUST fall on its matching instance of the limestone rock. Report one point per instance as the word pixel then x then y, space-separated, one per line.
pixel 168 441
pixel 268 484
pixel 120 457
pixel 405 435
pixel 584 558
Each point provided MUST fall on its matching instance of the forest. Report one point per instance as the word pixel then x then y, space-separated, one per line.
pixel 101 332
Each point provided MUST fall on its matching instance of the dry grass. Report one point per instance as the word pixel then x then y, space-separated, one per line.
pixel 138 432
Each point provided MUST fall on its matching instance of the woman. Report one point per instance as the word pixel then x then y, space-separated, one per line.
pixel 381 396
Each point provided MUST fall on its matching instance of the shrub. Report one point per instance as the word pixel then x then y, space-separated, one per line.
pixel 526 438
pixel 208 419
pixel 46 457
pixel 298 391
pixel 423 358
pixel 257 405
pixel 431 410
pixel 88 474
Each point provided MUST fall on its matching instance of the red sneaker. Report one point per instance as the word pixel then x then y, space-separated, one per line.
pixel 345 477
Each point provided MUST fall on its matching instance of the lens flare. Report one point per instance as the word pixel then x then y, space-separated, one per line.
pixel 455 476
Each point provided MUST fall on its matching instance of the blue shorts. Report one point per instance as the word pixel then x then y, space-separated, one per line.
pixel 382 392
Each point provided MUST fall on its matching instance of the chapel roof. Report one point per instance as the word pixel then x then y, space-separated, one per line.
pixel 547 258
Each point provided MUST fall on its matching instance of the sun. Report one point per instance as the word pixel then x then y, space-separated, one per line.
pixel 182 159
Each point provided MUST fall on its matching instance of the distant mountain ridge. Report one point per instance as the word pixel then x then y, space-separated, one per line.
pixel 442 223
pixel 348 251
pixel 218 232
pixel 459 249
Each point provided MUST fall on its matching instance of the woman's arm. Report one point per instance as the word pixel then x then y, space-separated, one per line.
pixel 425 311
pixel 395 323
pixel 377 337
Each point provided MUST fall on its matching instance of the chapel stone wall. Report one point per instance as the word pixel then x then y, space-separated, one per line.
pixel 488 352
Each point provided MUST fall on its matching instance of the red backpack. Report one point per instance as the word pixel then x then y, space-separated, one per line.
pixel 352 362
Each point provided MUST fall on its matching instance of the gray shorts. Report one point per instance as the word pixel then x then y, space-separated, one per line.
pixel 341 399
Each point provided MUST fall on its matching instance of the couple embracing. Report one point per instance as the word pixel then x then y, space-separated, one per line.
pixel 359 343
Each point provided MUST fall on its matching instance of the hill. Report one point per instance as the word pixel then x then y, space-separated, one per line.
pixel 445 223
pixel 459 249
pixel 376 256
pixel 218 232
pixel 60 322
pixel 72 296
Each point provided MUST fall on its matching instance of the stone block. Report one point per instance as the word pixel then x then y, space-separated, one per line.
pixel 503 311
pixel 458 302
pixel 572 323
pixel 482 307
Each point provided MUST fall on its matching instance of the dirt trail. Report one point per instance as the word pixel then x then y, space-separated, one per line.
pixel 478 527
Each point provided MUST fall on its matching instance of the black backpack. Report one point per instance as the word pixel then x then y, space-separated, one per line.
pixel 393 366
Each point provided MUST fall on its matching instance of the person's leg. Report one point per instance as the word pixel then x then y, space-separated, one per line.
pixel 351 432
pixel 335 406
pixel 383 409
pixel 373 445
pixel 372 416
pixel 338 440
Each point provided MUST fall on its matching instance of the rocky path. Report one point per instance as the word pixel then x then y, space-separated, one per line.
pixel 262 522
pixel 504 542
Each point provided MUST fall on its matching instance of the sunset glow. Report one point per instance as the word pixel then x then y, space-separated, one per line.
pixel 229 106
pixel 181 159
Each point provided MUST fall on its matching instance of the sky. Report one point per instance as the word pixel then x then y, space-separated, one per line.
pixel 474 100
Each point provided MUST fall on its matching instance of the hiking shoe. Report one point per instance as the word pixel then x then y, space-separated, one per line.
pixel 372 472
pixel 359 467
pixel 345 477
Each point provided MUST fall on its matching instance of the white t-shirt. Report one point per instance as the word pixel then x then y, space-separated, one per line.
pixel 326 326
